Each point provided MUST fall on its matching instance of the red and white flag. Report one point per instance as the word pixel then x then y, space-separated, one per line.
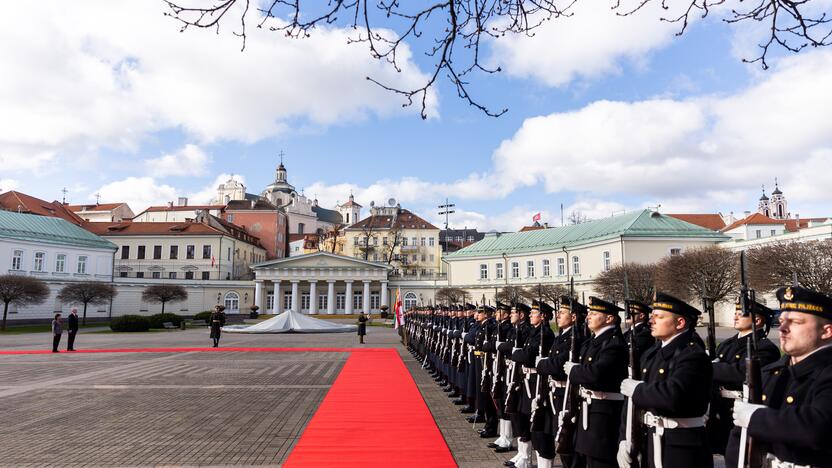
pixel 212 260
pixel 397 309
pixel 536 217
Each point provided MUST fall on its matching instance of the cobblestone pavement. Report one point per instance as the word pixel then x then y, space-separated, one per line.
pixel 186 409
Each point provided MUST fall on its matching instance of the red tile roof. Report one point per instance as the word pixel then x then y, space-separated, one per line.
pixel 755 218
pixel 96 207
pixel 405 220
pixel 793 225
pixel 531 228
pixel 152 229
pixel 712 221
pixel 18 201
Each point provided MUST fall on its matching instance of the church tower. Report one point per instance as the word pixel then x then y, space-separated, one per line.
pixel 350 211
pixel 779 209
pixel 763 206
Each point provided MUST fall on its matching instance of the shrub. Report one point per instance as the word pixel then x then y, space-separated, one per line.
pixel 156 320
pixel 130 323
pixel 206 315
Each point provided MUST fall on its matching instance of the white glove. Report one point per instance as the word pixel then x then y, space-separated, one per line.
pixel 561 415
pixel 623 457
pixel 628 386
pixel 567 367
pixel 537 360
pixel 743 412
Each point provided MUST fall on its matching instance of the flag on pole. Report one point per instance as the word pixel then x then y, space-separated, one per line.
pixel 397 309
pixel 212 261
pixel 536 217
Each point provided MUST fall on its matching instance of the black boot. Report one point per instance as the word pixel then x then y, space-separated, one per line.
pixel 467 410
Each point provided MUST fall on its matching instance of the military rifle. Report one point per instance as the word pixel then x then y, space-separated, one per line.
pixel 486 369
pixel 512 384
pixel 539 402
pixel 635 429
pixel 708 308
pixel 565 438
pixel 750 454
pixel 497 376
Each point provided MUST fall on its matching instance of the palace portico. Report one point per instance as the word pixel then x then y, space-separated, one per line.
pixel 321 283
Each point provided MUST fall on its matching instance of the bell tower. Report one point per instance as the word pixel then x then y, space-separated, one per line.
pixel 763 206
pixel 779 207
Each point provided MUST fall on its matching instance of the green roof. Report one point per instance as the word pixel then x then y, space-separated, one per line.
pixel 645 223
pixel 48 230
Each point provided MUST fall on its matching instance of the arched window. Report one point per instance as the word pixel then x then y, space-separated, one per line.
pixel 232 303
pixel 409 301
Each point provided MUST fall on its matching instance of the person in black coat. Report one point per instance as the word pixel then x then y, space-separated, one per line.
pixel 485 402
pixel 362 327
pixel 674 393
pixel 639 327
pixel 57 330
pixel 601 368
pixel 514 378
pixel 72 329
pixel 793 423
pixel 729 370
pixel 217 322
pixel 472 377
pixel 502 333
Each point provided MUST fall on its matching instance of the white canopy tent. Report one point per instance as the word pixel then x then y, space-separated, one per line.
pixel 291 322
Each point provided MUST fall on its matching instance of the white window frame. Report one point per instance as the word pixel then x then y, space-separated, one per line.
pixel 606 260
pixel 676 248
pixel 17 259
pixel 561 266
pixel 483 271
pixel 305 301
pixel 430 242
pixel 423 242
pixel 231 298
pixel 82 265
pixel 341 301
pixel 287 301
pixel 498 271
pixel 358 301
pixel 410 300
pixel 60 263
pixel 515 270
pixel 530 269
pixel 375 301
pixel 546 268
pixel 576 265
pixel 323 302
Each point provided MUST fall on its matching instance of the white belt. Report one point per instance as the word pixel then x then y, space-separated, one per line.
pixel 529 370
pixel 730 394
pixel 660 423
pixel 775 462
pixel 557 383
pixel 588 395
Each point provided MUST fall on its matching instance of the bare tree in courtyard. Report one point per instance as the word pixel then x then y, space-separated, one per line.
pixel 87 292
pixel 164 293
pixel 549 293
pixel 21 291
pixel 452 34
pixel 511 295
pixel 641 280
pixel 452 296
pixel 702 271
pixel 773 266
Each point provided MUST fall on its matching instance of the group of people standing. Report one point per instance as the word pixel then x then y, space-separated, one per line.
pixel 71 330
pixel 652 396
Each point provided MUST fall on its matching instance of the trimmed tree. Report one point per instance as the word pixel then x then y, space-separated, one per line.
pixel 545 292
pixel 775 265
pixel 510 294
pixel 710 271
pixel 641 280
pixel 87 292
pixel 22 291
pixel 164 293
pixel 451 295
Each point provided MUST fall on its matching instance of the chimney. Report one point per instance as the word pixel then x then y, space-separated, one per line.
pixel 182 201
pixel 746 214
pixel 170 204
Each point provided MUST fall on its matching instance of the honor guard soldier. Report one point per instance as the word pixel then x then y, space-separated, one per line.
pixel 639 315
pixel 472 380
pixel 540 337
pixel 601 368
pixel 570 318
pixel 796 414
pixel 729 370
pixel 502 333
pixel 514 379
pixel 485 403
pixel 674 393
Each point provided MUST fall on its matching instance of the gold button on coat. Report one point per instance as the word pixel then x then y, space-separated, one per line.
pixel 661 371
pixel 790 399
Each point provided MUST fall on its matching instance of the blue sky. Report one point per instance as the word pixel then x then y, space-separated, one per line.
pixel 605 115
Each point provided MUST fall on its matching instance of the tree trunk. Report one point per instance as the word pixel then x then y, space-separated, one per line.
pixel 84 317
pixel 5 311
pixel 163 310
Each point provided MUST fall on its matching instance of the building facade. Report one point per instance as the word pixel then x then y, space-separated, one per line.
pixel 103 212
pixel 262 219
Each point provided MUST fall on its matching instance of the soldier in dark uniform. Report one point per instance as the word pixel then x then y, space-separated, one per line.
pixel 674 393
pixel 514 378
pixel 540 337
pixel 502 333
pixel 485 403
pixel 729 370
pixel 796 415
pixel 472 376
pixel 570 318
pixel 639 315
pixel 362 327
pixel 601 368
pixel 217 322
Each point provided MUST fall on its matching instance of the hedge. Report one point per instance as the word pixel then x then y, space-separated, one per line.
pixel 206 315
pixel 130 323
pixel 157 320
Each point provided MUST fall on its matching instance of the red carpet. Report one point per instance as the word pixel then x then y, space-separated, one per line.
pixel 210 350
pixel 373 416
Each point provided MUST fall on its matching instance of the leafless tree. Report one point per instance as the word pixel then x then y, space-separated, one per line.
pixel 641 280
pixel 22 291
pixel 452 295
pixel 549 293
pixel 711 272
pixel 164 293
pixel 451 32
pixel 577 217
pixel 774 265
pixel 332 240
pixel 511 295
pixel 87 292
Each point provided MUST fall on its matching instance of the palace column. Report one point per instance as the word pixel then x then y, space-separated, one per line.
pixel 258 294
pixel 348 308
pixel 278 298
pixel 366 296
pixel 384 294
pixel 330 297
pixel 313 297
pixel 295 298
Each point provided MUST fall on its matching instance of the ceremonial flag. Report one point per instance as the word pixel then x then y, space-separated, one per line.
pixel 397 309
pixel 212 261
pixel 536 217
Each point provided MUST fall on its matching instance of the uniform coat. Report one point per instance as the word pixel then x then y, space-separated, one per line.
pixel 542 441
pixel 644 339
pixel 362 325
pixel 217 322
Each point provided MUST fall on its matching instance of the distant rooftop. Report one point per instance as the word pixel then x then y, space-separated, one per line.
pixel 49 230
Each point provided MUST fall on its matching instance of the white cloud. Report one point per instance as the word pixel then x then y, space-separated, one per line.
pixel 138 192
pixel 189 160
pixel 17 158
pixel 593 42
pixel 97 76
pixel 8 185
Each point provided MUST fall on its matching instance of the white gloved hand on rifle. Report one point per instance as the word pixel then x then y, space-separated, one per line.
pixel 567 367
pixel 743 412
pixel 628 386
pixel 623 456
